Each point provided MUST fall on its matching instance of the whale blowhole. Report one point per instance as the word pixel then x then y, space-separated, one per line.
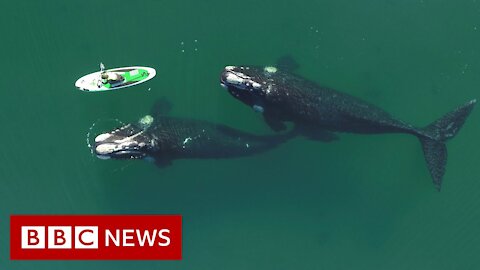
pixel 146 121
pixel 270 69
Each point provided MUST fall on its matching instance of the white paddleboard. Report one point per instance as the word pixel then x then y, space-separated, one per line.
pixel 130 76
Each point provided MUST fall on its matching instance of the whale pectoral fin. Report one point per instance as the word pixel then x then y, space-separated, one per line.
pixel 162 162
pixel 162 106
pixel 287 63
pixel 274 123
pixel 318 134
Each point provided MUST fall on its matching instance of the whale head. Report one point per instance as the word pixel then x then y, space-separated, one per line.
pixel 249 84
pixel 131 141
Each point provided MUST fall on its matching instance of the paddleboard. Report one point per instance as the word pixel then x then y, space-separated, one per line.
pixel 129 76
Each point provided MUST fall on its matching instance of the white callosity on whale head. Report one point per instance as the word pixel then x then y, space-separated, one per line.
pixel 129 141
pixel 233 78
pixel 256 85
pixel 238 79
pixel 106 148
pixel 102 137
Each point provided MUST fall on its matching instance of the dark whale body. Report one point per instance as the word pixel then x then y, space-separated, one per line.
pixel 283 96
pixel 165 138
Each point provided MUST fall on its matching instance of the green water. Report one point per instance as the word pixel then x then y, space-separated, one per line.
pixel 363 202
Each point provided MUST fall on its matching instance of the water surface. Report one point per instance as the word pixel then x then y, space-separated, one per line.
pixel 363 202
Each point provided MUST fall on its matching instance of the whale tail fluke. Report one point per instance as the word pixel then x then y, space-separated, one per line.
pixel 434 136
pixel 436 157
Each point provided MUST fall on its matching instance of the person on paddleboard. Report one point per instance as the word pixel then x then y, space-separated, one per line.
pixel 109 77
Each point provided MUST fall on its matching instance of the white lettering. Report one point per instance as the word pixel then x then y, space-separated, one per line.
pixel 115 239
pixel 60 237
pixel 33 237
pixel 162 236
pixel 86 237
pixel 128 235
pixel 146 237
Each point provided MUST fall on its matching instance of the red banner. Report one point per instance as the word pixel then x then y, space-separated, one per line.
pixel 95 237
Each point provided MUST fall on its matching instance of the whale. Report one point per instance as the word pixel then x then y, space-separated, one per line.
pixel 282 96
pixel 162 138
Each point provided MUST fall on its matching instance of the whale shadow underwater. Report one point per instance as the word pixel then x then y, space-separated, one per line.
pixel 161 138
pixel 282 96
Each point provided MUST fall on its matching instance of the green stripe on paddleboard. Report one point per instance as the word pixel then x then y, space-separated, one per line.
pixel 135 75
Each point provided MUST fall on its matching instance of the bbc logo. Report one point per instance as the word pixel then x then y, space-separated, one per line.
pixel 95 237
pixel 59 237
